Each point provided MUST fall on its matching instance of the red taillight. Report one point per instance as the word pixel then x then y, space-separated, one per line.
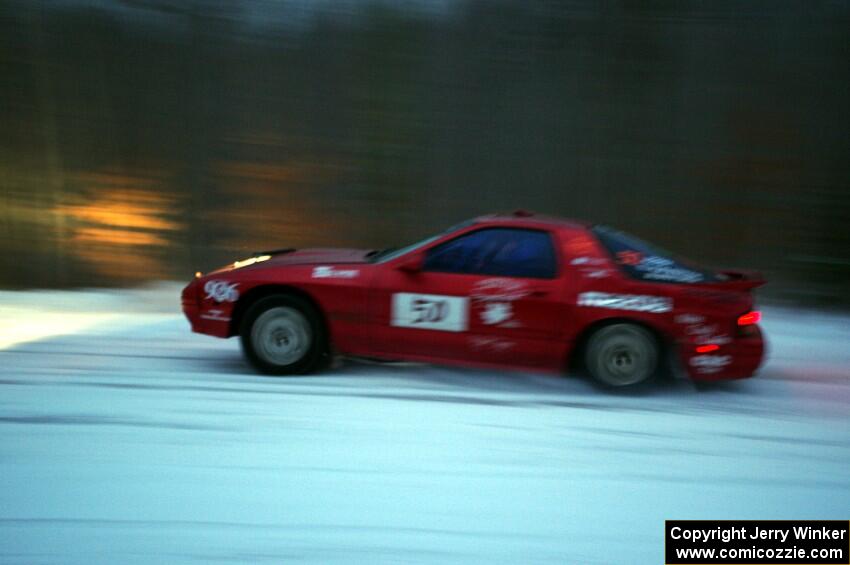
pixel 749 318
pixel 707 348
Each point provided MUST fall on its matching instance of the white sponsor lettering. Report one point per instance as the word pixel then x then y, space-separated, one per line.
pixel 430 312
pixel 710 361
pixel 221 291
pixel 597 261
pixel 499 289
pixel 491 344
pixel 638 303
pixel 217 315
pixel 701 329
pixel 496 312
pixel 662 269
pixel 718 339
pixel 689 319
pixel 334 273
pixel 592 267
pixel 700 332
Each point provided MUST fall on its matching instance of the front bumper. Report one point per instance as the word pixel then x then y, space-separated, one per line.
pixel 205 316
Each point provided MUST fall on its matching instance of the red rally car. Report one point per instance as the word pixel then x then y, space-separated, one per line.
pixel 518 290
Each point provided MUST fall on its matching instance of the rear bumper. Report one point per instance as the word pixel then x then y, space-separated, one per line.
pixel 739 359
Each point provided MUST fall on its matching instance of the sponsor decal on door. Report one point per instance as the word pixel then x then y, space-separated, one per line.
pixel 496 313
pixel 430 312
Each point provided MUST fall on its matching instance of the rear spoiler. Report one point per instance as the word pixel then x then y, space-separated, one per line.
pixel 738 279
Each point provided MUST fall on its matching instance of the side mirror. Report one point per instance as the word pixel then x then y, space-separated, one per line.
pixel 411 264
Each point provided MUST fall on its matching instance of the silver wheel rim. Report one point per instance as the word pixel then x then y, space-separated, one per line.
pixel 625 361
pixel 281 335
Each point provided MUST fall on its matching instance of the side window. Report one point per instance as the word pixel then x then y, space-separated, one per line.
pixel 505 252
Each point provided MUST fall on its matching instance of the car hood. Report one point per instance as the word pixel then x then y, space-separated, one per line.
pixel 284 257
pixel 318 255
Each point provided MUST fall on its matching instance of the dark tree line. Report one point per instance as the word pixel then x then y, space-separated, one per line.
pixel 145 139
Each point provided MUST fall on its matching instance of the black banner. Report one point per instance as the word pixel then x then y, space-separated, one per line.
pixel 757 542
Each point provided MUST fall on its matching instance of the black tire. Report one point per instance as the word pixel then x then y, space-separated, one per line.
pixel 283 335
pixel 622 356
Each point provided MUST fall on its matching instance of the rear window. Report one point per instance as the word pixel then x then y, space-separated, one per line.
pixel 644 261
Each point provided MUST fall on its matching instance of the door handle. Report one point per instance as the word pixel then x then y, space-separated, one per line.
pixel 538 292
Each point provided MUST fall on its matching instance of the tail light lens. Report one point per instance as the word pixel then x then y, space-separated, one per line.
pixel 749 318
pixel 747 324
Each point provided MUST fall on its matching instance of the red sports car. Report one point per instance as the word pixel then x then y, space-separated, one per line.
pixel 519 290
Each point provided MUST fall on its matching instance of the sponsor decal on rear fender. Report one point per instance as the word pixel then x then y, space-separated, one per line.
pixel 635 302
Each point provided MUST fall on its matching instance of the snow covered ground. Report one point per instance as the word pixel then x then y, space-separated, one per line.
pixel 126 439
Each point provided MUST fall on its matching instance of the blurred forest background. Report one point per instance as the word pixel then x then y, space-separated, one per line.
pixel 147 139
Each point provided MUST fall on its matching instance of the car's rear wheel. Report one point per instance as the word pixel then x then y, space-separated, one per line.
pixel 283 335
pixel 622 355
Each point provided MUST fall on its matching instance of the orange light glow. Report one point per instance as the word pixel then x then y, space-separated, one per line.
pixel 122 208
pixel 118 222
pixel 117 237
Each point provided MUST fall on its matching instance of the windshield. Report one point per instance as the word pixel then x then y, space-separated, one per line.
pixel 391 253
pixel 644 261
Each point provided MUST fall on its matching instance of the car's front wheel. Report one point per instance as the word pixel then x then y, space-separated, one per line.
pixel 283 335
pixel 622 355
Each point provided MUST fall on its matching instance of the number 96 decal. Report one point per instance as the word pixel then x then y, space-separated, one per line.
pixel 430 312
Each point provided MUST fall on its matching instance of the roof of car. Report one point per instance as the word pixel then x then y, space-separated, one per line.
pixel 525 217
